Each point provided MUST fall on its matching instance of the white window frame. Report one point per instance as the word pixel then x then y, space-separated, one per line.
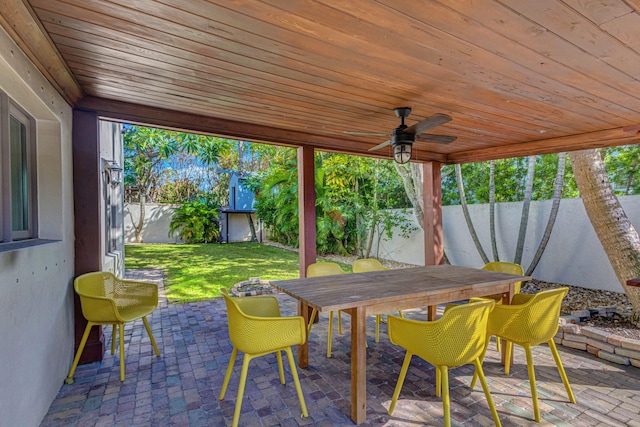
pixel 9 109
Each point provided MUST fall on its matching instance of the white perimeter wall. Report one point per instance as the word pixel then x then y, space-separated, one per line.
pixel 573 256
pixel 36 296
pixel 156 223
pixel 158 218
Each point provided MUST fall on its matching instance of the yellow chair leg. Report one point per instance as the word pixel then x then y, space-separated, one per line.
pixel 403 373
pixel 446 403
pixel 311 318
pixel 481 358
pixel 225 383
pixel 498 344
pixel 563 374
pixel 243 379
pixel 113 339
pixel 296 381
pixel 532 383
pixel 377 328
pixel 153 341
pixel 76 359
pixel 121 327
pixel 508 350
pixel 438 383
pixel 280 368
pixel 330 334
pixel 487 393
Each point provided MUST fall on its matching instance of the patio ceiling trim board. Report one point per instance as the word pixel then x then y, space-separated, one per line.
pixel 153 116
pixel 17 19
pixel 605 138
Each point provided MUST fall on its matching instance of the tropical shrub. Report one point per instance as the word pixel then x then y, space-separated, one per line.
pixel 196 222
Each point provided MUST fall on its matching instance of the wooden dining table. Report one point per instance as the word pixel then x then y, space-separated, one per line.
pixel 378 292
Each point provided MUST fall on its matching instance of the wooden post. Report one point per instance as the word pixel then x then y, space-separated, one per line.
pixel 432 206
pixel 86 199
pixel 306 208
pixel 432 202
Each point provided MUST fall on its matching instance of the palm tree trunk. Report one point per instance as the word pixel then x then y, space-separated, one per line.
pixel 411 175
pixel 492 209
pixel 467 217
pixel 617 235
pixel 555 206
pixel 526 204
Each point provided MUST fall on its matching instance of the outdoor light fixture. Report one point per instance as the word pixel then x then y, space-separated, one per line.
pixel 402 153
pixel 113 171
pixel 402 142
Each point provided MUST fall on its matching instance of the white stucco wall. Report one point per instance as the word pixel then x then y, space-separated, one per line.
pixel 239 229
pixel 573 256
pixel 158 218
pixel 156 223
pixel 36 299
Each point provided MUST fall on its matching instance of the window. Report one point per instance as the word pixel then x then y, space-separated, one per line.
pixel 17 172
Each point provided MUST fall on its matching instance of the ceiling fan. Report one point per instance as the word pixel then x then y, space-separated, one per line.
pixel 403 137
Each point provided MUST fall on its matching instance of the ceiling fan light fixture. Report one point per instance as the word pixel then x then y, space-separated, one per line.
pixel 402 153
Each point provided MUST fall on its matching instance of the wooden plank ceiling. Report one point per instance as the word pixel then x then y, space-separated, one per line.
pixel 517 77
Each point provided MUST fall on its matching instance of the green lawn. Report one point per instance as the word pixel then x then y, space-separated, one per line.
pixel 198 272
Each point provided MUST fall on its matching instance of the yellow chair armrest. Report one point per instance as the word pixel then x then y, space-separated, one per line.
pixel 519 299
pixel 99 309
pixel 479 299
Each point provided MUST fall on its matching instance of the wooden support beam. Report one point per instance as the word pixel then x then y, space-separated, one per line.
pixel 432 203
pixel 86 201
pixel 605 138
pixel 188 122
pixel 306 208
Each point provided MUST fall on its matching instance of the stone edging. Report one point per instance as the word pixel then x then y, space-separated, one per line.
pixel 253 287
pixel 604 345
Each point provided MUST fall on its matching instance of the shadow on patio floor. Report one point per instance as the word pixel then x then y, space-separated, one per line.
pixel 181 387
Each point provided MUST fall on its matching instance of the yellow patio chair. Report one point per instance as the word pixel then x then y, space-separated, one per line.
pixel 325 269
pixel 506 267
pixel 528 321
pixel 509 268
pixel 457 338
pixel 371 264
pixel 256 328
pixel 107 300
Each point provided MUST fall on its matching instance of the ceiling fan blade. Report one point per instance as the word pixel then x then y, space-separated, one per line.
pixel 379 146
pixel 366 133
pixel 438 139
pixel 428 123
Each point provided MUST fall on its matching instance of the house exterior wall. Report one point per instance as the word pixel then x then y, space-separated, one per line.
pixel 112 201
pixel 574 255
pixel 36 294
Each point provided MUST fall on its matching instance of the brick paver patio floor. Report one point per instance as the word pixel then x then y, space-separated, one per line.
pixel 181 387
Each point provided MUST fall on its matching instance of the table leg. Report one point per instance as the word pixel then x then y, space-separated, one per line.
pixel 506 299
pixel 432 312
pixel 303 349
pixel 358 365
